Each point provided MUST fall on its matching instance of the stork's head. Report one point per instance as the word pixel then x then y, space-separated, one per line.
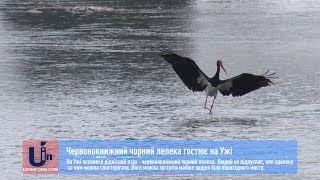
pixel 219 63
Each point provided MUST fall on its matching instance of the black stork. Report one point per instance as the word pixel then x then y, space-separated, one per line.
pixel 192 76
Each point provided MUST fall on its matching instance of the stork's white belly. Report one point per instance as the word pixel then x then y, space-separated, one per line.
pixel 211 91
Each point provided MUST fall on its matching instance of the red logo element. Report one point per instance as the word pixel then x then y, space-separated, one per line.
pixel 40 156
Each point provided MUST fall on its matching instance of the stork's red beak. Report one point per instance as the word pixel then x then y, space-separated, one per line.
pixel 223 69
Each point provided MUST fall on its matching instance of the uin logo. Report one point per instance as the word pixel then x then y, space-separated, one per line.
pixel 43 155
pixel 40 156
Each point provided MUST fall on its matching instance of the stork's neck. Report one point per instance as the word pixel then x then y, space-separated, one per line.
pixel 217 73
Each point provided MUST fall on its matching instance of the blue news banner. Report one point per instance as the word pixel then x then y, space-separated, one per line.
pixel 178 157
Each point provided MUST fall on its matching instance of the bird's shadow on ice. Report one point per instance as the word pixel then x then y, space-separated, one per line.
pixel 194 123
pixel 195 127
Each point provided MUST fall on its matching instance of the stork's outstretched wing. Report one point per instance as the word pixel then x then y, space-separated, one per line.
pixel 187 70
pixel 244 83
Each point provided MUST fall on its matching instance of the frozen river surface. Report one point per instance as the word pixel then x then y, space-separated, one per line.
pixel 91 70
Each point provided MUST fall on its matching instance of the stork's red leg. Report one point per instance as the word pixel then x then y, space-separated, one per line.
pixel 212 104
pixel 205 103
pixel 205 106
pixel 211 108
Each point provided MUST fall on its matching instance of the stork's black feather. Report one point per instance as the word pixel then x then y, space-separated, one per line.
pixel 243 84
pixel 188 71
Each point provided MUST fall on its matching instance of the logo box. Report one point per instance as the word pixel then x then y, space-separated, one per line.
pixel 40 156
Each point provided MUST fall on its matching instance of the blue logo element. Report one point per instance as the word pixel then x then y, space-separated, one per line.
pixel 43 155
